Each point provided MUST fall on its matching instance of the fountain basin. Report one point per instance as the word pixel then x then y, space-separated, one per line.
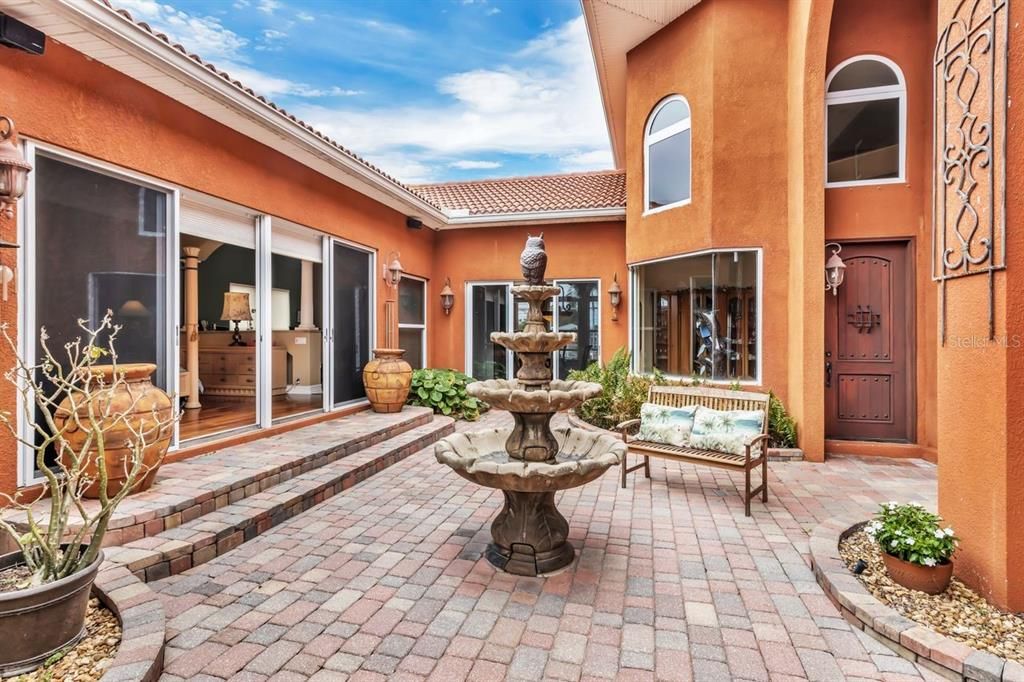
pixel 481 457
pixel 503 394
pixel 533 342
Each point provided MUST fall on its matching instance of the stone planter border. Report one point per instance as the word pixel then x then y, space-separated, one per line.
pixel 774 454
pixel 946 657
pixel 140 656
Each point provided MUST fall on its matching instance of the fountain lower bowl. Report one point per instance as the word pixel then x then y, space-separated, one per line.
pixel 503 394
pixel 480 457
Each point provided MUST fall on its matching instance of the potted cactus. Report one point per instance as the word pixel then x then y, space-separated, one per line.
pixel 916 549
pixel 76 411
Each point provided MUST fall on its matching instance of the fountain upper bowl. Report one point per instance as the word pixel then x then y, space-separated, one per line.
pixel 533 342
pixel 503 394
pixel 480 457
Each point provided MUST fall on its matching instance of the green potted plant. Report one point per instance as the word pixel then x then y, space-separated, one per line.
pixel 76 411
pixel 916 549
pixel 444 390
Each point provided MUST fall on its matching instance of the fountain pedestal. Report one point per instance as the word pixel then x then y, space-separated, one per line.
pixel 530 535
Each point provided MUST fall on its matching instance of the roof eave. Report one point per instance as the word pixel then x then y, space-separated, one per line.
pixel 585 215
pixel 618 152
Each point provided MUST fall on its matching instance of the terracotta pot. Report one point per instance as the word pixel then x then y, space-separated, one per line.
pixel 37 622
pixel 138 395
pixel 387 379
pixel 927 579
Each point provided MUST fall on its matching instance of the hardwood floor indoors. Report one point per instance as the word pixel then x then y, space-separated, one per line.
pixel 220 414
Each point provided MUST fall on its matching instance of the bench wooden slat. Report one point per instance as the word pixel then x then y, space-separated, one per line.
pixel 715 399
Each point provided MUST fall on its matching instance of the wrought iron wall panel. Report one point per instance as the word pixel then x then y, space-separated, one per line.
pixel 969 217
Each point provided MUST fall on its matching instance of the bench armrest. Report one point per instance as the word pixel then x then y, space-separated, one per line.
pixel 756 440
pixel 625 426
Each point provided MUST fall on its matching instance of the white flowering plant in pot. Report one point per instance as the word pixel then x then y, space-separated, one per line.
pixel 912 533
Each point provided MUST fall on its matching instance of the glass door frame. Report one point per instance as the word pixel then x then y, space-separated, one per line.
pixel 329 323
pixel 26 275
pixel 510 319
pixel 556 322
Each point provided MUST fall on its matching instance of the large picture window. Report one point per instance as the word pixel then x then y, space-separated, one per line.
pixel 667 155
pixel 699 316
pixel 865 106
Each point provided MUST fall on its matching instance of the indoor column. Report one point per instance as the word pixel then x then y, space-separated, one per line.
pixel 306 297
pixel 192 325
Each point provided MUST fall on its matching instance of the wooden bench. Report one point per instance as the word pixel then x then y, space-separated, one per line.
pixel 717 399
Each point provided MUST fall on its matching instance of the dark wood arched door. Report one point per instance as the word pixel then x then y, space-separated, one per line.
pixel 869 354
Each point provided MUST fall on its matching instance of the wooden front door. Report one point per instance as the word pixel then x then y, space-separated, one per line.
pixel 869 393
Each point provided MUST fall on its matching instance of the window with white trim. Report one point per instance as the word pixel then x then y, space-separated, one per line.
pixel 865 113
pixel 412 320
pixel 667 173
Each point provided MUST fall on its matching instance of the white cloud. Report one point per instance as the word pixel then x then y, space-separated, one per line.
pixel 271 34
pixel 305 16
pixel 268 6
pixel 596 159
pixel 470 164
pixel 492 11
pixel 545 101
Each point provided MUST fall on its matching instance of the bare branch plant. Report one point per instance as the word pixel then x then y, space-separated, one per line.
pixel 58 398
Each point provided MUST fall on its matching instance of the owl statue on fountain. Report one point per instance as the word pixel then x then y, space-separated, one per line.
pixel 534 260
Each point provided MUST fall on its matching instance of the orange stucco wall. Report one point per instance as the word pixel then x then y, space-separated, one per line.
pixel 980 419
pixel 575 251
pixel 903 32
pixel 739 149
pixel 77 104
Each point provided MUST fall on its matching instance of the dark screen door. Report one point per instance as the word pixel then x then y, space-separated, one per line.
pixel 868 351
pixel 351 322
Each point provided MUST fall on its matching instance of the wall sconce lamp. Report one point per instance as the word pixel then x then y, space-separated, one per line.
pixel 393 270
pixel 615 296
pixel 14 170
pixel 835 269
pixel 447 296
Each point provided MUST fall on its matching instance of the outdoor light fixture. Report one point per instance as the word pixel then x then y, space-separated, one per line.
pixel 835 269
pixel 615 296
pixel 393 270
pixel 447 296
pixel 14 169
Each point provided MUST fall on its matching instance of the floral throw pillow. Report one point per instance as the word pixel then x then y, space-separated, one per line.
pixel 725 431
pixel 667 425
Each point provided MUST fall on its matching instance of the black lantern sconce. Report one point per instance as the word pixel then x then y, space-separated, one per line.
pixel 615 297
pixel 447 296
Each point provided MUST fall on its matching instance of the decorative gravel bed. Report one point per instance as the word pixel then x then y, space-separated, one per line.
pixel 959 613
pixel 90 658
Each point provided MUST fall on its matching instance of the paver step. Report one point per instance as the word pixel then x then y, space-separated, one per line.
pixel 191 488
pixel 197 541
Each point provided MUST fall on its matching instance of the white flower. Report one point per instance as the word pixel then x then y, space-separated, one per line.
pixel 891 505
pixel 909 541
pixel 917 504
pixel 940 534
pixel 928 561
pixel 892 544
pixel 948 532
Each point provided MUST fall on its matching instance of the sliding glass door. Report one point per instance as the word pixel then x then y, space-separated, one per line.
pixel 577 310
pixel 351 306
pixel 489 311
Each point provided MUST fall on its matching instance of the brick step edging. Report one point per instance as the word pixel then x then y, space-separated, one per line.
pixel 916 642
pixel 140 655
pixel 179 549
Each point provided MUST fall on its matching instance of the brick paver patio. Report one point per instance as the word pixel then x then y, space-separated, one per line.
pixel 672 582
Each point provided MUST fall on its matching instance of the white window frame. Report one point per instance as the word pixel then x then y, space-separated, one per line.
pixel 421 327
pixel 636 312
pixel 26 274
pixel 510 320
pixel 898 91
pixel 556 313
pixel 665 133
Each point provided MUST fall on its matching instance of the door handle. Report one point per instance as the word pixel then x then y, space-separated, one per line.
pixel 828 374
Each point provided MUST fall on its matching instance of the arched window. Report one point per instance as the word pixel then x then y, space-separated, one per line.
pixel 667 155
pixel 865 121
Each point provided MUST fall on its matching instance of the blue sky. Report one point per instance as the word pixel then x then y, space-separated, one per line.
pixel 429 90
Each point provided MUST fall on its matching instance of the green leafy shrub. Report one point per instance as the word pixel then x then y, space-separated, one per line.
pixel 781 426
pixel 444 391
pixel 912 533
pixel 623 393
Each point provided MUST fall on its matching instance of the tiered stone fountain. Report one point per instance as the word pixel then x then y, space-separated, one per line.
pixel 530 462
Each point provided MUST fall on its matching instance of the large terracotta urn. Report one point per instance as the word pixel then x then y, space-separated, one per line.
pixel 146 407
pixel 387 379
